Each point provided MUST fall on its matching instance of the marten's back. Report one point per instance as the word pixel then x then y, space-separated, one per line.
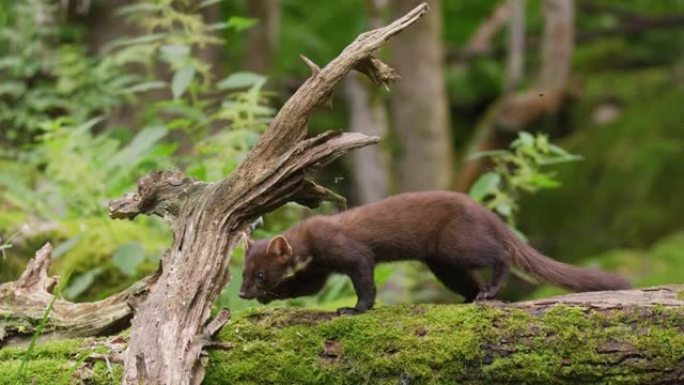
pixel 410 223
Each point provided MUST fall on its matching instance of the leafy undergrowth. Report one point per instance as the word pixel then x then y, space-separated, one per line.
pixel 426 344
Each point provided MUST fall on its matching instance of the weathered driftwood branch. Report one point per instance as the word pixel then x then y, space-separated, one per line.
pixel 168 329
pixel 24 302
pixel 626 337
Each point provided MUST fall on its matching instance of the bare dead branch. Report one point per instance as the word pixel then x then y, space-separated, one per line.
pixel 23 303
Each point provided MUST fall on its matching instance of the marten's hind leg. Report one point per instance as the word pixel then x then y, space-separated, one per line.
pixel 456 279
pixel 500 270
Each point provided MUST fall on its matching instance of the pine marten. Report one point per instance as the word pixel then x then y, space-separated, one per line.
pixel 448 231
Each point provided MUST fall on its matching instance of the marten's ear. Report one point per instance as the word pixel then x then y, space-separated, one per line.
pixel 280 247
pixel 247 241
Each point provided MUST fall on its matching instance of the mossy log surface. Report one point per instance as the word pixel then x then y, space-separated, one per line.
pixel 627 337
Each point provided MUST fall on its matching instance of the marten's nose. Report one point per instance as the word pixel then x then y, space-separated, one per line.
pixel 244 295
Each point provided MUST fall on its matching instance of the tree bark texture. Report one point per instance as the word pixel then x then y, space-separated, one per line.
pixel 419 103
pixel 170 328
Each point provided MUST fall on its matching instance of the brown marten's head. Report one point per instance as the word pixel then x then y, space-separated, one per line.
pixel 267 263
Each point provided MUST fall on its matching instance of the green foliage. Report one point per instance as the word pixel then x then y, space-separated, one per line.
pixel 64 164
pixel 522 169
pixel 627 191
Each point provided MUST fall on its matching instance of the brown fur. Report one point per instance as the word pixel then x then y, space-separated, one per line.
pixel 448 231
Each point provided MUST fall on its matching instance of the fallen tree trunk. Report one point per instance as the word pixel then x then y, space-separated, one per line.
pixel 623 337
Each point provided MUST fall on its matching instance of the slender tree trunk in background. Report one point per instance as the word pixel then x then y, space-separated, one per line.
pixel 263 37
pixel 419 103
pixel 370 165
pixel 515 66
pixel 481 41
pixel 558 43
pixel 368 115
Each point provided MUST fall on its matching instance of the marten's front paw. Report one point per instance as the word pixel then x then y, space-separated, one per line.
pixel 348 311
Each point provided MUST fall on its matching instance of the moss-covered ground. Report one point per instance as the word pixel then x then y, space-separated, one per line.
pixel 427 344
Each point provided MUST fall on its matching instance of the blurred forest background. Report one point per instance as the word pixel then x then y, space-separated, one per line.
pixel 95 94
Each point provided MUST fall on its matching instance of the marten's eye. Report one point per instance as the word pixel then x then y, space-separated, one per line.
pixel 260 277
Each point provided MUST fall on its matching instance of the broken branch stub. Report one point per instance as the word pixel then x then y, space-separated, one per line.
pixel 169 329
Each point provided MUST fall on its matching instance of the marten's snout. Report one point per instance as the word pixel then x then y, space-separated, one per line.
pixel 245 294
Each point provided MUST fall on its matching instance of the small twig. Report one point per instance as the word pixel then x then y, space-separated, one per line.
pixel 217 323
pixel 218 345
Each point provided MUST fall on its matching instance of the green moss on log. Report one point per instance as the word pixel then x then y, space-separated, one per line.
pixel 426 344
pixel 451 344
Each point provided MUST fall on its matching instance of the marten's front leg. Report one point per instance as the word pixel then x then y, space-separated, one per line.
pixel 364 286
pixel 358 262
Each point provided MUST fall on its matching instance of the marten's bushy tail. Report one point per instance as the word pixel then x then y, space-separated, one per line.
pixel 562 274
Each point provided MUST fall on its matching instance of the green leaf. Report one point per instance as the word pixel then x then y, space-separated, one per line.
pixel 240 80
pixel 524 139
pixel 132 153
pixel 486 154
pixel 127 257
pixel 240 24
pixel 154 37
pixel 485 185
pixel 64 247
pixel 174 53
pixel 146 86
pixel 544 181
pixel 79 285
pixel 181 80
pixel 139 8
pixel 503 208
pixel 207 3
